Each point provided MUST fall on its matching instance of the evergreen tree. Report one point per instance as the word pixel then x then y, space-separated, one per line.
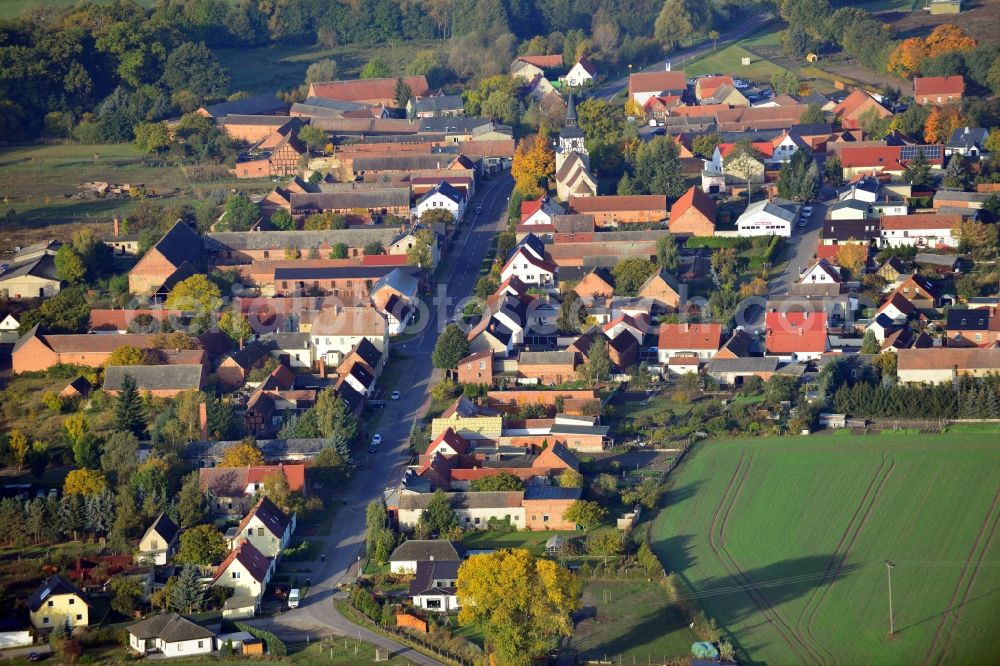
pixel 187 593
pixel 71 515
pixel 870 345
pixel 918 171
pixel 129 412
pixel 956 176
pixel 37 519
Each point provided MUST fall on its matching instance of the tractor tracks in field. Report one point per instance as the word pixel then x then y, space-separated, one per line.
pixel 951 616
pixel 843 549
pixel 716 541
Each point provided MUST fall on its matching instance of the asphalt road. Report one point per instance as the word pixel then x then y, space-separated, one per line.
pixel 316 616
pixel 679 57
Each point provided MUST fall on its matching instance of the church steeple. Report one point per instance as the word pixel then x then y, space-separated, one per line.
pixel 571 111
pixel 571 136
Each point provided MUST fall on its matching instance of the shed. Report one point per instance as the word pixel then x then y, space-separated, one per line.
pixel 554 545
pixel 239 607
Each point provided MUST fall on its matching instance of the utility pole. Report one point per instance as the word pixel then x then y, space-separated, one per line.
pixel 888 571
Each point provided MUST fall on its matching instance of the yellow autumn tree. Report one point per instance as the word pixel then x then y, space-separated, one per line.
pixel 948 38
pixel 19 447
pixel 941 122
pixel 852 256
pixel 534 163
pixel 242 454
pixel 909 55
pixel 84 482
pixel 521 602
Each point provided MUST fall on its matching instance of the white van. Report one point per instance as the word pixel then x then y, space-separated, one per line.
pixel 293 598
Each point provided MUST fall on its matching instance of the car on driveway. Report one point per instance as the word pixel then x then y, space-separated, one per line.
pixel 377 439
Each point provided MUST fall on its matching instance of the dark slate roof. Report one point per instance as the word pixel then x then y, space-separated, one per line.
pixel 741 365
pixel 252 559
pixel 368 352
pixel 968 320
pixel 350 396
pixel 498 499
pixel 429 571
pixel 250 354
pixel 253 105
pixel 170 628
pixel 438 104
pixel 561 429
pixel 552 493
pixel 267 512
pixel 301 240
pixel 405 282
pixel 273 449
pixel 163 526
pixel 445 189
pixel 181 243
pixel 154 377
pixel 53 585
pixel 43 267
pixel 968 137
pixel 452 124
pixel 403 162
pixel 812 129
pixel 363 376
pixel 425 549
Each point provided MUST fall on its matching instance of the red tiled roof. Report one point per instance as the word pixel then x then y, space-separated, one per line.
pixel 683 360
pixel 529 208
pixel 709 84
pixel 694 198
pixel 789 332
pixel 938 85
pixel 656 82
pixel 384 260
pixel 920 221
pixel 543 61
pixel 635 202
pixel 361 90
pixel 899 301
pixel 765 148
pixel 452 439
pixel 252 559
pixel 543 264
pixel 690 336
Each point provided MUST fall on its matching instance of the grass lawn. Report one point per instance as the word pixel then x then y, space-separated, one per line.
pixel 782 540
pixel 533 541
pixel 628 620
pixel 284 67
pixel 727 60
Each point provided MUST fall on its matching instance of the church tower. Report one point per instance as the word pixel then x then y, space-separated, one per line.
pixel 571 138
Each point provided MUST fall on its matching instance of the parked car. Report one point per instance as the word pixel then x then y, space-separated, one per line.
pixel 373 448
pixel 479 209
pixel 395 395
pixel 377 439
pixel 293 598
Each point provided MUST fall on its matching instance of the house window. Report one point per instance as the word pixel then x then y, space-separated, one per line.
pixel 545 519
pixel 72 601
pixel 45 620
pixel 79 617
pixel 267 254
pixel 154 544
pixel 51 604
pixel 201 644
pixel 433 603
pixel 236 574
pixel 260 531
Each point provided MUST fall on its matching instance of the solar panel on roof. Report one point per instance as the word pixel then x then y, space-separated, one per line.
pixel 910 152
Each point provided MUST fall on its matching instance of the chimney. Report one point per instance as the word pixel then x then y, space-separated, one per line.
pixel 203 421
pixel 117 224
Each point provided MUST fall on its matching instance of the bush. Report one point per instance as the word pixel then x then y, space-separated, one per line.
pixel 495 524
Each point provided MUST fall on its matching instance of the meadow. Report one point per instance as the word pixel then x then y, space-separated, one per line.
pixel 782 541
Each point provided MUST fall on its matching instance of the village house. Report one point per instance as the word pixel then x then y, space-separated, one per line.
pixel 796 336
pixel 435 106
pixel 528 264
pixel 410 553
pixel 337 331
pixel 922 230
pixel 616 210
pixel 57 603
pixel 582 73
pixel 433 587
pixel 539 212
pixel 173 258
pixel 473 510
pixel 918 290
pixel 476 368
pixel 768 218
pixel 375 206
pixel 530 66
pixel 854 106
pixel 688 340
pixel 394 296
pixel 442 197
pixel 234 368
pixel 170 635
pixel 938 90
pixel 33 277
pixel 254 105
pixel 547 367
pixel 374 92
pixel 232 488
pixel 693 213
pixel 251 129
pixel 278 155
pixel 267 527
pixel 969 142
pixel 245 570
pixel 596 284
pixel 294 350
pixel 890 160
pixel 470 421
pixel 945 365
pixel 661 291
pixel 978 327
pixel 159 543
pixel 643 85
pixel 37 351
pixel 161 381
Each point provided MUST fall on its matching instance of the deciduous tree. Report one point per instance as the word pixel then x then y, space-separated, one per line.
pixel 852 256
pixel 439 516
pixel 236 327
pixel 242 454
pixel 534 163
pixel 520 601
pixel 501 481
pixel 84 482
pixel 630 274
pixel 69 265
pixel 202 545
pixel 451 347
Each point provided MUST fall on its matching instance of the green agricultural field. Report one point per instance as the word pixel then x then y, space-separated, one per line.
pixel 782 542
pixel 14 8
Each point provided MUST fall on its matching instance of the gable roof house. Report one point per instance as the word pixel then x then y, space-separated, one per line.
pixel 796 335
pixel 582 73
pixel 936 365
pixel 530 266
pixel 267 527
pixel 232 487
pixel 246 570
pixel 171 635
pixel 662 291
pixel 595 284
pixel 35 277
pixel 643 85
pixel 393 295
pixel 337 331
pixel 688 340
pixel 938 89
pixel 573 178
pixel 407 555
pixel 161 381
pixel 890 160
pixel 616 210
pixel 36 350
pixel 978 327
pixel 255 105
pixel 376 92
pixel 56 603
pixel 173 256
pixel 921 229
pixel 531 66
pixel 693 213
pixel 768 218
pixel 435 106
pixel 855 105
pixel 159 543
pixel 968 141
pixel 539 212
pixel 433 587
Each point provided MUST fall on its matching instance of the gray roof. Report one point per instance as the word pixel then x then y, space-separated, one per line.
pixel 552 493
pixel 333 272
pixel 425 549
pixel 265 103
pixel 562 429
pixel 42 267
pixel 546 358
pixel 786 213
pixel 253 119
pixel 154 377
pixel 968 137
pixel 170 628
pixel 393 197
pixel 251 353
pixel 854 204
pixel 402 281
pixel 240 601
pixel 742 365
pixel 453 124
pixel 958 195
pixel 164 527
pixel 302 240
pixel 402 162
pixel 438 104
pixel 427 572
pixel 181 243
pixel 53 585
pixel 445 189
pixel 285 340
pixel 485 500
pixel 273 449
pixel 320 106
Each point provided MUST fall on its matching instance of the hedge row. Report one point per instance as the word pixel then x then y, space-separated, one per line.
pixel 275 646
